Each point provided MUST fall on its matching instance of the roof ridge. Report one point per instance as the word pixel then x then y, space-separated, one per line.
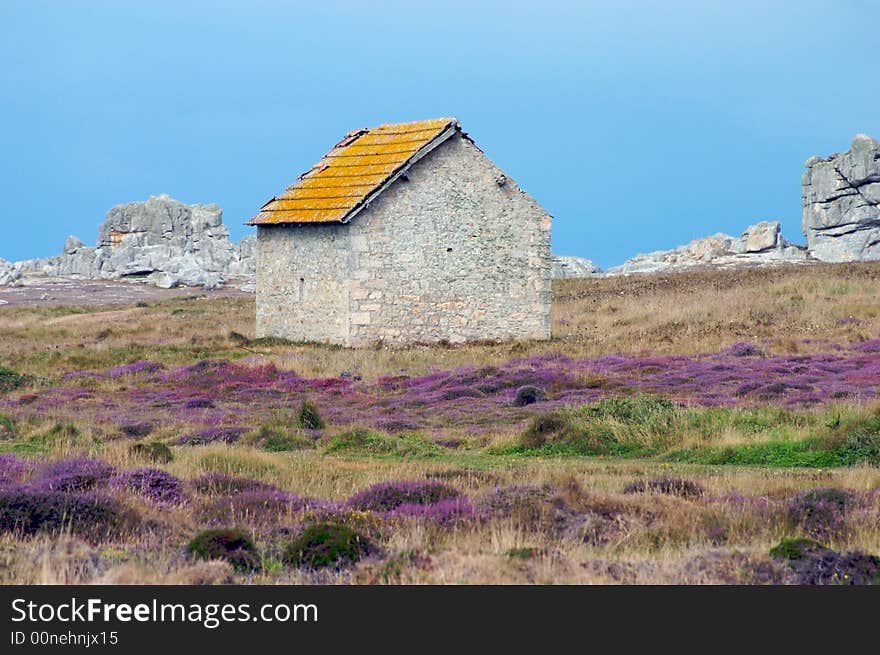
pixel 383 159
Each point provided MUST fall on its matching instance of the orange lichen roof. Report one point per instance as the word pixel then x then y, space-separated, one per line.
pixel 354 171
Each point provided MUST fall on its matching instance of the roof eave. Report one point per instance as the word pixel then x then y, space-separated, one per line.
pixel 451 129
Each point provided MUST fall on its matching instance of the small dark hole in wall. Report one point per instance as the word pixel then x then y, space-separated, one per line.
pixel 449 250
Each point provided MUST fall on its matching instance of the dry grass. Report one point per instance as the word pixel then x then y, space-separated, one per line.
pixel 791 308
pixel 638 538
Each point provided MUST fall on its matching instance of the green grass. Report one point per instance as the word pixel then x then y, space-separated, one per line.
pixel 366 442
pixel 774 453
pixel 794 548
pixel 41 442
pixel 651 427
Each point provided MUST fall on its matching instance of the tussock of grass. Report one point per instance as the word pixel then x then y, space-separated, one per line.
pixel 360 441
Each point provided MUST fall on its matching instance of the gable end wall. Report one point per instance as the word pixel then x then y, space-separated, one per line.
pixel 450 254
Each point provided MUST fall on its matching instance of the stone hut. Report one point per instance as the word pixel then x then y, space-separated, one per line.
pixel 403 234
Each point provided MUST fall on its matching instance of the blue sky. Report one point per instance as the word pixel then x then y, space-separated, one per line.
pixel 639 125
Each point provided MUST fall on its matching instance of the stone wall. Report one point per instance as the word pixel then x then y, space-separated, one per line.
pixel 456 251
pixel 303 282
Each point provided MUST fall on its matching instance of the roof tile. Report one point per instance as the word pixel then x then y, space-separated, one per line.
pixel 357 167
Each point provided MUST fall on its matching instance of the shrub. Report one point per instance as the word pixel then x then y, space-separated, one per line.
pixel 260 506
pixel 90 515
pixel 444 512
pixel 155 485
pixel 530 507
pixel 458 391
pixel 743 349
pixel 13 469
pixel 670 486
pixel 820 512
pixel 280 442
pixel 198 403
pixel 360 440
pixel 396 424
pixel 529 395
pixel 225 434
pixel 137 430
pixel 229 544
pixel 276 437
pixel 795 548
pixel 811 563
pixel 308 417
pixel 639 409
pixel 387 496
pixel 857 444
pixel 10 380
pixel 220 484
pixel 543 428
pixel 155 451
pixel 326 544
pixel 79 474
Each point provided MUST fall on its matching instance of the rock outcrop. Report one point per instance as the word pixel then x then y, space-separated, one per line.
pixel 841 203
pixel 161 241
pixel 761 244
pixel 573 267
pixel 5 272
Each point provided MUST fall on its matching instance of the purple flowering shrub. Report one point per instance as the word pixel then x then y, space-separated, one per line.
pixel 820 513
pixel 388 496
pixel 91 515
pixel 200 401
pixel 13 469
pixel 812 563
pixel 155 485
pixel 135 368
pixel 255 507
pixel 743 349
pixel 529 506
pixel 78 474
pixel 450 511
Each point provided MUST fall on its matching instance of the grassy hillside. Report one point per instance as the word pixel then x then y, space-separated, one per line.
pixel 789 310
pixel 711 427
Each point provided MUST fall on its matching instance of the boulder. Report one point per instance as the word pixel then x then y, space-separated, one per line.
pixel 761 244
pixel 160 241
pixel 763 236
pixel 841 203
pixel 573 267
